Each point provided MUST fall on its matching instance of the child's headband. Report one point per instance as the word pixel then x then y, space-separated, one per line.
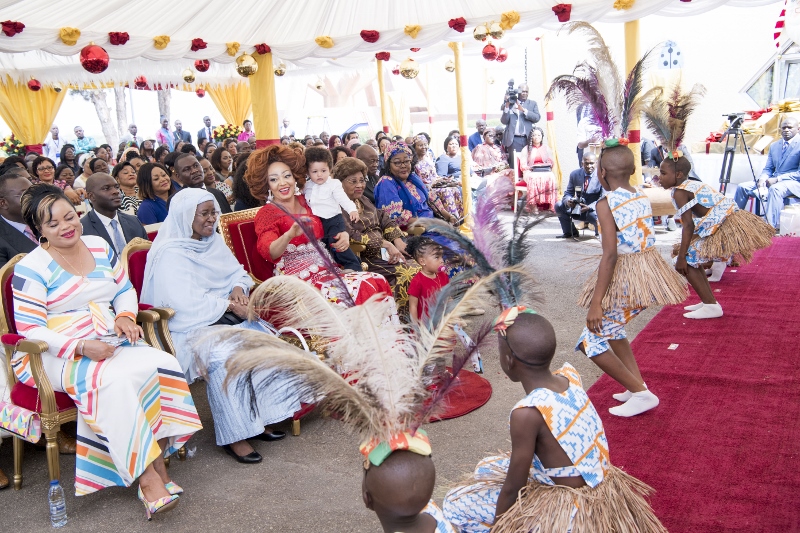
pixel 375 452
pixel 508 316
pixel 675 154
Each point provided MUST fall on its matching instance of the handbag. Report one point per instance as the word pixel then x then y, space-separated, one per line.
pixel 23 423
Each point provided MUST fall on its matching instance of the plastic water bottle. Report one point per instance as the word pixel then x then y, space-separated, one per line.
pixel 58 507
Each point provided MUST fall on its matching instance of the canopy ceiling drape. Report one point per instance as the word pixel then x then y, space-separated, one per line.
pixel 28 113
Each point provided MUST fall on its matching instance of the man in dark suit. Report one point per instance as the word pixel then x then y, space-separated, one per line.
pixel 188 173
pixel 15 236
pixel 180 135
pixel 207 132
pixel 105 220
pixel 781 174
pixel 518 120
pixel 369 157
pixel 585 180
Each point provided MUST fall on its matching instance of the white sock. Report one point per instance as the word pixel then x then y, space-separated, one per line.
pixel 624 396
pixel 717 269
pixel 694 307
pixel 638 404
pixel 707 311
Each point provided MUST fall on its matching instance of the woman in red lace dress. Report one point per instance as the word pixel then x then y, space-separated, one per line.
pixel 537 173
pixel 276 174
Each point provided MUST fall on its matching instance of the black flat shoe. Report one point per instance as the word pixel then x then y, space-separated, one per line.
pixel 250 458
pixel 565 236
pixel 269 437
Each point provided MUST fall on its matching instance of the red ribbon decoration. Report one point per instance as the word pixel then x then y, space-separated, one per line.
pixel 462 140
pixel 458 24
pixel 550 116
pixel 198 44
pixel 383 56
pixel 118 38
pixel 263 48
pixel 37 148
pixel 11 28
pixel 371 36
pixel 635 136
pixel 562 11
pixel 415 49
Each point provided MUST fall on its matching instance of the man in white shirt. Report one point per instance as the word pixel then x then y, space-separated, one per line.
pixel 52 146
pixel 131 135
pixel 286 131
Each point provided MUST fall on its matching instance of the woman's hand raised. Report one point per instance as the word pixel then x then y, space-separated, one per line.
pixel 294 231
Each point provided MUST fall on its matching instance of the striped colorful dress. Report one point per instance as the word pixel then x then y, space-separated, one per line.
pixel 573 421
pixel 126 402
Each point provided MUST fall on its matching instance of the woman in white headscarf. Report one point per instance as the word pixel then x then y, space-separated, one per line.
pixel 190 269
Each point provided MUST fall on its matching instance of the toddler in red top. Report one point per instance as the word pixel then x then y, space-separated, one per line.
pixel 429 280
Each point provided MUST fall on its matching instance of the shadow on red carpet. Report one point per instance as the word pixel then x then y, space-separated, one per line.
pixel 469 393
pixel 722 447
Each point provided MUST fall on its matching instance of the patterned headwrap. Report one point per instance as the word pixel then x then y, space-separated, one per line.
pixel 394 148
pixel 376 452
pixel 508 316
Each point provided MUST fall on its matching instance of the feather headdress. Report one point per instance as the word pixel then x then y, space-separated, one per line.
pixel 613 102
pixel 379 388
pixel 667 115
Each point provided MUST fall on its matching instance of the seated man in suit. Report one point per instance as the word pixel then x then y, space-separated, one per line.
pixel 105 220
pixel 187 172
pixel 781 174
pixel 585 179
pixel 369 157
pixel 15 236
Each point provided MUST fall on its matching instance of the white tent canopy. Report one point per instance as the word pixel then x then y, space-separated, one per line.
pixel 289 28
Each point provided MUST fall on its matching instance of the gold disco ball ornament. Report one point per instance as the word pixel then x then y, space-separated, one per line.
pixel 409 69
pixel 246 66
pixel 480 32
pixel 188 75
pixel 280 70
pixel 450 66
pixel 496 31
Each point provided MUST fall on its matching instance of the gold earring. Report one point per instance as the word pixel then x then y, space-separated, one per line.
pixel 45 242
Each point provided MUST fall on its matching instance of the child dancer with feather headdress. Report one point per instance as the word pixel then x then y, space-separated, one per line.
pixel 632 275
pixel 714 228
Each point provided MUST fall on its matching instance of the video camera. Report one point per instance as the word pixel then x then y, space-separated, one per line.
pixel 579 200
pixel 511 93
pixel 735 120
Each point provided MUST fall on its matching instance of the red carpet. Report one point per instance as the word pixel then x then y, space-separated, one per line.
pixel 470 392
pixel 722 447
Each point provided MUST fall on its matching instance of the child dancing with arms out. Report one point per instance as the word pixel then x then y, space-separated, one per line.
pixel 327 198
pixel 557 476
pixel 631 276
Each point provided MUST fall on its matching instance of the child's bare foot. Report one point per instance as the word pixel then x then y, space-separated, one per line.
pixel 636 405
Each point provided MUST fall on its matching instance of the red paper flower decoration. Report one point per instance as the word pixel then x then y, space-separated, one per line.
pixel 94 58
pixel 34 85
pixel 263 48
pixel 11 28
pixel 415 49
pixel 562 11
pixel 140 82
pixel 201 65
pixel 383 56
pixel 489 52
pixel 458 24
pixel 198 44
pixel 371 36
pixel 200 93
pixel 118 38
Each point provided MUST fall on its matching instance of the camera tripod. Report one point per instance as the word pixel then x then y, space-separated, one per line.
pixel 736 132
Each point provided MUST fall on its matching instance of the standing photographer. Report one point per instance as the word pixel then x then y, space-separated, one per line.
pixel 583 192
pixel 519 116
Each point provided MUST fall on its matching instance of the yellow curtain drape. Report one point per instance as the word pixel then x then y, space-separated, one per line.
pixel 265 107
pixel 397 112
pixel 233 101
pixel 30 114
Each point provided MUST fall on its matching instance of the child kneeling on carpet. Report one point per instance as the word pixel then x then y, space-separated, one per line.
pixel 714 228
pixel 557 476
pixel 631 276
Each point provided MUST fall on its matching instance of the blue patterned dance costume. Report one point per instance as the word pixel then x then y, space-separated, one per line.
pixel 574 422
pixel 442 525
pixel 724 230
pixel 633 216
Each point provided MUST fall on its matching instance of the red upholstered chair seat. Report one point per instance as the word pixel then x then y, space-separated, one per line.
pixel 8 303
pixel 28 397
pixel 243 240
pixel 136 264
pixel 152 236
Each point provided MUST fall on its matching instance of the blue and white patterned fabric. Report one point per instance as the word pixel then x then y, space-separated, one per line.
pixel 719 208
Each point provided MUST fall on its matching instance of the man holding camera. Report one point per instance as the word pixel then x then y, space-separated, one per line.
pixel 583 192
pixel 519 116
pixel 780 177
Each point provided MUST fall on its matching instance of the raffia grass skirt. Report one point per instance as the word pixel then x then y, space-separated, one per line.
pixel 742 233
pixel 640 280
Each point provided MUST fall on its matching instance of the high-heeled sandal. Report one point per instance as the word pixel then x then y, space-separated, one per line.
pixel 173 488
pixel 161 505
